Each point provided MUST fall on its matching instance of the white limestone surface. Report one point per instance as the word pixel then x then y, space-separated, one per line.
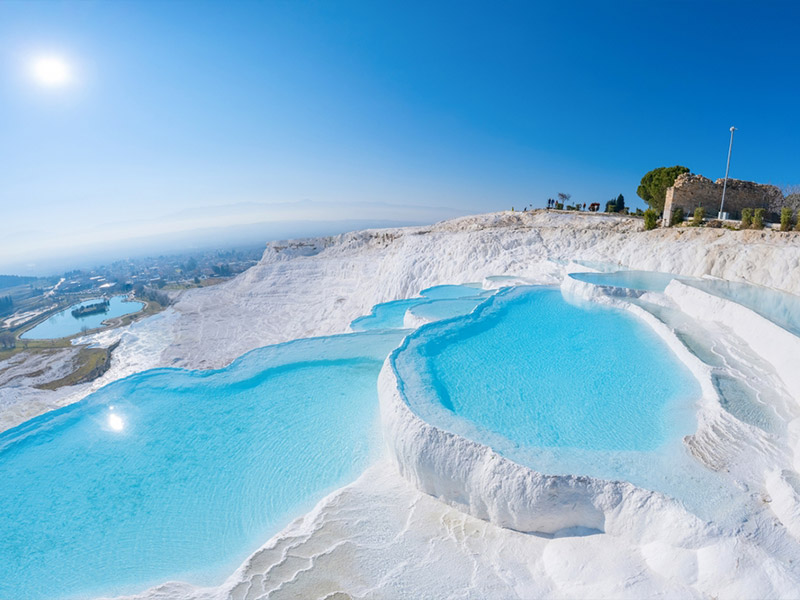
pixel 773 343
pixel 303 288
pixel 383 538
pixel 747 453
pixel 474 478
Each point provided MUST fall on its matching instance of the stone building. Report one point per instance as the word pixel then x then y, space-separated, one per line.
pixel 691 191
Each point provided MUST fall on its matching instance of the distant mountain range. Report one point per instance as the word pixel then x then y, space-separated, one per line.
pixel 106 247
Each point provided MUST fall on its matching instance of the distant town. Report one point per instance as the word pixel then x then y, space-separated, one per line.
pixel 24 299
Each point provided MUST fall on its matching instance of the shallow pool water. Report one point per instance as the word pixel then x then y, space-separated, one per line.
pixel 63 324
pixel 174 474
pixel 781 308
pixel 441 292
pixel 601 266
pixel 562 388
pixel 446 308
pixel 543 372
pixel 389 315
pixel 438 300
pixel 646 281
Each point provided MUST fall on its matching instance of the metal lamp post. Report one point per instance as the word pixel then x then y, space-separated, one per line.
pixel 727 168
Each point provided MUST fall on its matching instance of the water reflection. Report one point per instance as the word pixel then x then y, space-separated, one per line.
pixel 115 422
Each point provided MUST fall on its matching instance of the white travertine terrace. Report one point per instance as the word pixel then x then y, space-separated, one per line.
pixel 383 537
pixel 477 480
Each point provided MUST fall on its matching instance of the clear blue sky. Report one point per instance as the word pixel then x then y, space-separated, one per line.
pixel 473 106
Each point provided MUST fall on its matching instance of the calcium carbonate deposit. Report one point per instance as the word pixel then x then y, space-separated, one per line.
pixel 461 502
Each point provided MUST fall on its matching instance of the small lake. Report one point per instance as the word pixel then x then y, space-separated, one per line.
pixel 63 324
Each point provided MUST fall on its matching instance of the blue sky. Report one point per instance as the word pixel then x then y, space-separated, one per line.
pixel 471 107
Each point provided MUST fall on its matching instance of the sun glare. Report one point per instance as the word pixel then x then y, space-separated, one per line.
pixel 51 71
pixel 115 422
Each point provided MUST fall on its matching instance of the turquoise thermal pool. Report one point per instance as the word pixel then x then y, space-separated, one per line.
pixel 562 388
pixel 445 292
pixel 438 302
pixel 446 308
pixel 388 315
pixel 601 266
pixel 646 281
pixel 545 373
pixel 781 308
pixel 63 324
pixel 173 474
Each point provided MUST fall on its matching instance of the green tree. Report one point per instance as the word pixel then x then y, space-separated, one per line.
pixel 7 341
pixel 786 218
pixel 747 218
pixel 758 218
pixel 797 221
pixel 611 206
pixel 619 204
pixel 653 187
pixel 650 219
pixel 699 215
pixel 677 216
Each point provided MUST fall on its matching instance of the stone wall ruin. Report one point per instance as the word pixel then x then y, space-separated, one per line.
pixel 691 191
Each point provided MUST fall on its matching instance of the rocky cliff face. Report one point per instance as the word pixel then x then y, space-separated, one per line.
pixel 691 191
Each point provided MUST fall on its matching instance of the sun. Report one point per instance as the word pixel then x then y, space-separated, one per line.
pixel 51 71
